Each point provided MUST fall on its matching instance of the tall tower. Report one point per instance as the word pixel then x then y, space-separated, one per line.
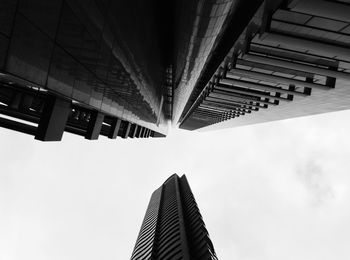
pixel 173 228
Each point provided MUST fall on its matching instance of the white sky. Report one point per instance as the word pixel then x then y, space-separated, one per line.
pixel 272 191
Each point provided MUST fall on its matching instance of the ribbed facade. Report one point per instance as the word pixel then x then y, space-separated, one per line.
pixel 199 243
pixel 173 227
pixel 145 242
pixel 283 59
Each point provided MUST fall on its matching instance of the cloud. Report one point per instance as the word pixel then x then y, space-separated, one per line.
pixel 254 185
pixel 312 175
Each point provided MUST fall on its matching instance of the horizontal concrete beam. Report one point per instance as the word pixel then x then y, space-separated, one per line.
pixel 312 45
pixel 246 84
pixel 272 78
pixel 249 92
pixel 298 66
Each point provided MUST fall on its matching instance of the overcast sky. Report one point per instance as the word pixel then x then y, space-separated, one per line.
pixel 273 191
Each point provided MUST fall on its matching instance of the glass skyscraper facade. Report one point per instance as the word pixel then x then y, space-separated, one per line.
pixel 97 69
pixel 133 68
pixel 291 59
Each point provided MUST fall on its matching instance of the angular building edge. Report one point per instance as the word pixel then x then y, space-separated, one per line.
pixel 173 227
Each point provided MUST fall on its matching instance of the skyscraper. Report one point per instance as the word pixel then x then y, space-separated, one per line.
pixel 173 227
pixel 128 68
pixel 84 67
pixel 290 59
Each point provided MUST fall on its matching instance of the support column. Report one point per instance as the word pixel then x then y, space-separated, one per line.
pixel 17 126
pixel 139 128
pixel 115 126
pixel 16 100
pixel 26 102
pixel 141 132
pixel 144 135
pixel 132 130
pixel 127 130
pixel 94 126
pixel 135 131
pixel 53 119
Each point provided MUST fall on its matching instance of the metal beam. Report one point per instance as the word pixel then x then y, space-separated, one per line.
pixel 17 126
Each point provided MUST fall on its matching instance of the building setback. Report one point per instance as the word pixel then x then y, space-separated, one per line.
pixel 291 59
pixel 173 227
